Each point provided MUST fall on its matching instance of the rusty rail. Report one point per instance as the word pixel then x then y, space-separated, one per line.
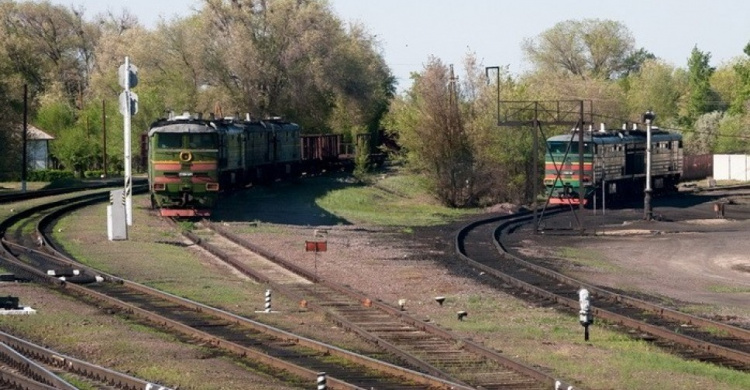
pixel 706 347
pixel 468 345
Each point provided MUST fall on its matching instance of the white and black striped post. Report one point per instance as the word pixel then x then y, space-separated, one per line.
pixel 127 76
pixel 268 301
pixel 322 381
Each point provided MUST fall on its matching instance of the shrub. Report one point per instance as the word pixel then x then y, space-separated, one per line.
pixel 49 175
pixel 95 174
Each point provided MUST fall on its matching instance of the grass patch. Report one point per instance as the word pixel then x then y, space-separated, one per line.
pixel 621 361
pixel 186 226
pixel 587 257
pixel 11 186
pixel 392 201
pixel 729 289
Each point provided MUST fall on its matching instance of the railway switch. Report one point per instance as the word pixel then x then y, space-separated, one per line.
pixel 584 315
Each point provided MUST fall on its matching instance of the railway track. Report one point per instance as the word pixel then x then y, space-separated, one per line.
pixel 36 363
pixel 253 342
pixel 420 345
pixel 17 196
pixel 40 366
pixel 690 336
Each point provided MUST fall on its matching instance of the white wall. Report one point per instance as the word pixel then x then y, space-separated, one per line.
pixel 731 167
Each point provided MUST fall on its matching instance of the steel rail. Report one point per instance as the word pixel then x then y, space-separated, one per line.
pixel 624 299
pixel 16 196
pixel 28 367
pixel 179 327
pixel 336 318
pixel 468 345
pixel 16 264
pixel 12 380
pixel 719 350
pixel 76 366
pixel 362 360
pixel 716 350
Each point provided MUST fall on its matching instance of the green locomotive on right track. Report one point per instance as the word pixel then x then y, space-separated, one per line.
pixel 614 164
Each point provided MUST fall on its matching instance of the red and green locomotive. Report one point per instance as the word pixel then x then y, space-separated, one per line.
pixel 191 160
pixel 614 164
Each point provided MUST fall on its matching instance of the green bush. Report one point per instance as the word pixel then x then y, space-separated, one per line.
pixel 49 175
pixel 95 174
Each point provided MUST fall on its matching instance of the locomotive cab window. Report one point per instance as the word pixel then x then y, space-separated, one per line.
pixel 561 147
pixel 202 141
pixel 169 140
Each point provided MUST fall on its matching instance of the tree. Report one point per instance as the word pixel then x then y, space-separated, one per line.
pixel 294 58
pixel 635 61
pixel 448 132
pixel 700 97
pixel 590 48
pixel 656 86
pixel 734 135
pixel 432 133
pixel 739 104
pixel 726 85
pixel 704 138
pixel 10 136
pixel 49 43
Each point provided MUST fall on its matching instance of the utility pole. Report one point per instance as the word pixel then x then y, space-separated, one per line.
pixel 104 137
pixel 24 158
pixel 648 212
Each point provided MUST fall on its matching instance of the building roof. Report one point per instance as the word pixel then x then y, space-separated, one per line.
pixel 37 134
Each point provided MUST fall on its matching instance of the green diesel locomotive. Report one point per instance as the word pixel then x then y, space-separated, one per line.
pixel 614 164
pixel 191 159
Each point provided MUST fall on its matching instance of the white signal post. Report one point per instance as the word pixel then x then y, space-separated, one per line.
pixel 128 107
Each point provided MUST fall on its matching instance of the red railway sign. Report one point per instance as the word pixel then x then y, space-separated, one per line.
pixel 316 246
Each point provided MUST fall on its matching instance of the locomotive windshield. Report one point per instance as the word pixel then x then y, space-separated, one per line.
pixel 557 147
pixel 202 141
pixel 194 140
pixel 169 140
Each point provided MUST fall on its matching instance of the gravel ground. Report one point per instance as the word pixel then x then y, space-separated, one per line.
pixel 688 258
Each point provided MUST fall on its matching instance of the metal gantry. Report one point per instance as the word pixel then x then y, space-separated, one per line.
pixel 538 113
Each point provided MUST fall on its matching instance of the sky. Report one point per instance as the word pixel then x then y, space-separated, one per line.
pixel 410 31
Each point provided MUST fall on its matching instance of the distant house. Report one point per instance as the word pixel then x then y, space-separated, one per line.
pixel 37 148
